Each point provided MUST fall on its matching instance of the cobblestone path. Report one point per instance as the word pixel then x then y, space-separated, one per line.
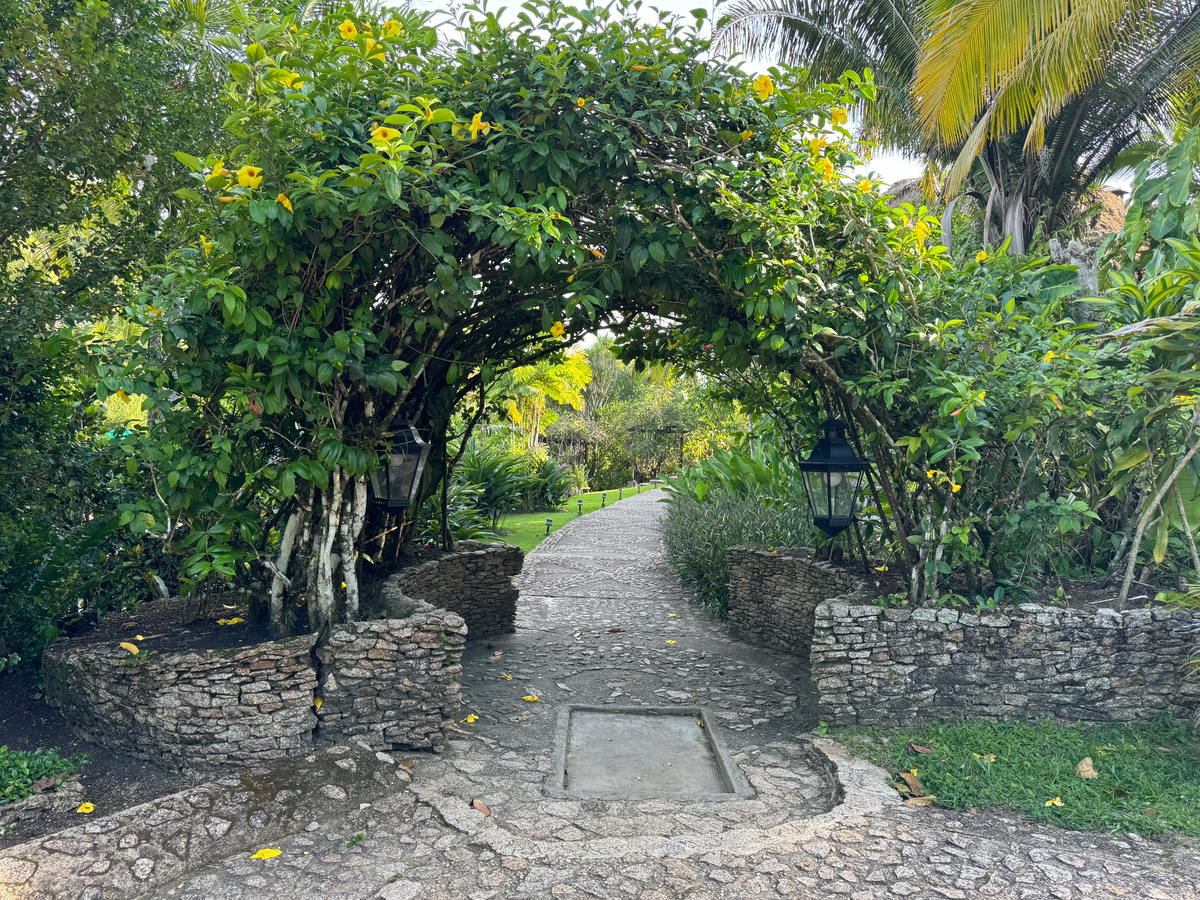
pixel 602 620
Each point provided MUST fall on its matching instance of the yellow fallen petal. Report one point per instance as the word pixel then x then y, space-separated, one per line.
pixel 138 637
pixel 266 853
pixel 317 701
pixel 132 648
pixel 670 642
pixel 86 808
pixel 471 719
pixel 506 677
pixel 531 698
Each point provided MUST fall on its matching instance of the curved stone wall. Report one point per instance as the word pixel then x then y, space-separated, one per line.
pixel 192 711
pixel 475 581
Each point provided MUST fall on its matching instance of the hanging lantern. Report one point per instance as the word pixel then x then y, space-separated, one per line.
pixel 394 484
pixel 832 478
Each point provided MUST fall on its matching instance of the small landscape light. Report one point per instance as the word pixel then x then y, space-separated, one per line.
pixel 620 493
pixel 549 522
pixel 579 504
pixel 603 499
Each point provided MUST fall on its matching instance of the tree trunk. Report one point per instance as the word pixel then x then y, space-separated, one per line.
pixel 354 514
pixel 1145 522
pixel 326 534
pixel 281 581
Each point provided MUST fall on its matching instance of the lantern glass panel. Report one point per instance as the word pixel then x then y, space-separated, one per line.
pixel 843 488
pixel 402 472
pixel 818 492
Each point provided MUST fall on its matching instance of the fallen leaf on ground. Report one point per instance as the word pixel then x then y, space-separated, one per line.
pixel 407 765
pixel 86 808
pixel 45 784
pixel 266 853
pixel 914 784
pixel 481 807
pixel 498 653
pixel 917 748
pixel 1165 749
pixel 132 648
pixel 615 630
pixel 921 801
pixel 506 677
pixel 1085 769
pixel 138 637
pixel 230 621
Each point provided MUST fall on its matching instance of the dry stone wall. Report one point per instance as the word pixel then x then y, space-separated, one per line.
pixel 195 711
pixel 475 581
pixel 394 682
pixel 773 595
pixel 902 667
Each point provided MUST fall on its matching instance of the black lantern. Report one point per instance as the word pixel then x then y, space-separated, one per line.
pixel 394 484
pixel 832 477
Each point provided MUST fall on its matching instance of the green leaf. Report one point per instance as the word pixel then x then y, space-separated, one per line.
pixel 190 161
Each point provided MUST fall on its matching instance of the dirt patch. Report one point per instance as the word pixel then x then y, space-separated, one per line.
pixel 112 780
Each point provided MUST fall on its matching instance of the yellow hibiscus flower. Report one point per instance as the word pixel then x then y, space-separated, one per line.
pixel 283 201
pixel 764 87
pixel 347 30
pixel 249 176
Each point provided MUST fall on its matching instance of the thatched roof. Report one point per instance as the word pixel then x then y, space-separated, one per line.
pixel 906 190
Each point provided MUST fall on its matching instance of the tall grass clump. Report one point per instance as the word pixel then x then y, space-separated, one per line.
pixel 696 534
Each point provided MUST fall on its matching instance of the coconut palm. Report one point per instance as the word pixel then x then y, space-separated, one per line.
pixel 1028 101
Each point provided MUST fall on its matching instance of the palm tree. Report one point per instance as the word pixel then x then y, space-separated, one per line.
pixel 1029 101
pixel 523 392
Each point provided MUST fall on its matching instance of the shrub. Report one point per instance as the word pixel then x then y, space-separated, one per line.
pixel 696 534
pixel 463 516
pixel 498 474
pixel 21 769
pixel 550 484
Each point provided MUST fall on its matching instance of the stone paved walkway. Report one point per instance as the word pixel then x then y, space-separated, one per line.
pixel 594 577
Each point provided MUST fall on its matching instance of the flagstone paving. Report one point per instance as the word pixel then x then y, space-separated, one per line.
pixel 602 620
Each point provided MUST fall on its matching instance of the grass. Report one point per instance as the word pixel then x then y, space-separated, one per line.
pixel 21 769
pixel 1148 776
pixel 527 530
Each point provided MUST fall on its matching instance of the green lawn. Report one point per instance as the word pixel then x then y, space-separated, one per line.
pixel 1147 776
pixel 527 530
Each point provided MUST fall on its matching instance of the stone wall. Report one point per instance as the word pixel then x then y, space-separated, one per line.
pixel 192 711
pixel 475 581
pixel 901 667
pixel 394 682
pixel 773 595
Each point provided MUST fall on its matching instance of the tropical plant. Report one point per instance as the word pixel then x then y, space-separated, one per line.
pixel 524 393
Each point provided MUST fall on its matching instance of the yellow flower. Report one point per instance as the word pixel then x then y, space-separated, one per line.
pixel 267 852
pixel 837 115
pixel 581 101
pixel 670 615
pixel 932 473
pixel 816 145
pixel 865 185
pixel 922 232
pixel 881 568
pixel 132 648
pixel 747 134
pixel 596 253
pixel 228 199
pixel 86 808
pixel 230 621
pixel 1050 354
pixel 318 702
pixel 506 677
pixel 371 44
pixel 638 68
pixel 557 329
pixel 955 488
pixel 570 278
pixel 283 201
pixel 292 80
pixel 532 698
pixel 249 176
pixel 207 244
pixel 763 86
pixel 391 28
pixel 477 125
pixel 1057 801
pixel 217 174
pixel 384 135
pixel 825 167
pixel 471 719
pixel 671 642
pixel 347 30
pixel 980 256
